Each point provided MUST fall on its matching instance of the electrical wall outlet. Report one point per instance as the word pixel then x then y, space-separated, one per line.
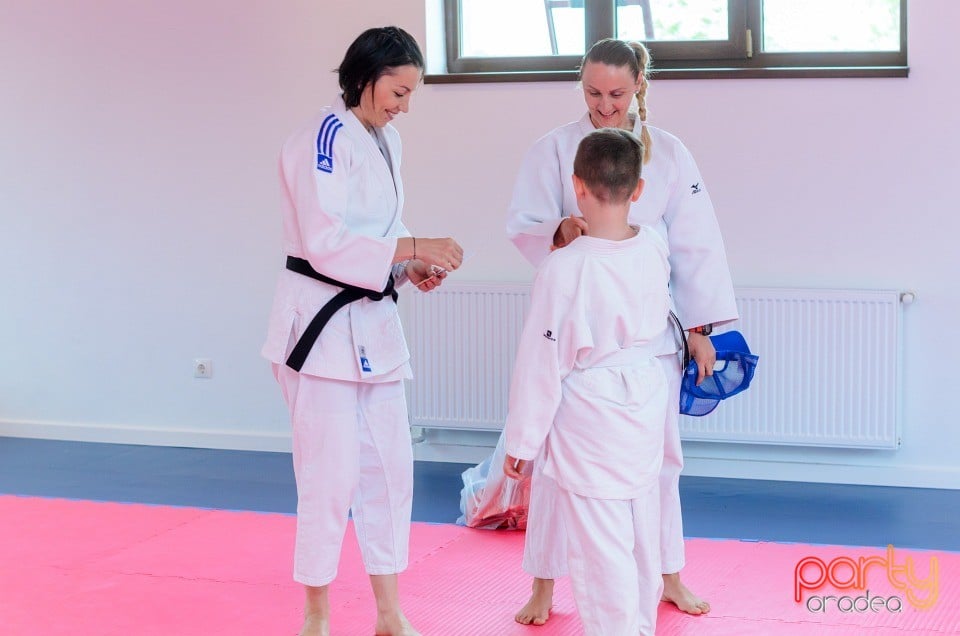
pixel 202 368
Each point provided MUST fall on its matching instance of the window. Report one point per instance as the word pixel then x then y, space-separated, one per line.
pixel 523 40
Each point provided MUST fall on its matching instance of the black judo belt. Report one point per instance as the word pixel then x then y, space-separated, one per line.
pixel 349 294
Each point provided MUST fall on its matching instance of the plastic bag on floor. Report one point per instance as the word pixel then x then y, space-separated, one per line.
pixel 490 500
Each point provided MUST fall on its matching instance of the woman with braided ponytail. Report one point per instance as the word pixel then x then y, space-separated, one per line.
pixel 543 216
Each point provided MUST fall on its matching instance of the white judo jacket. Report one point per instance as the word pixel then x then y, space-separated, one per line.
pixel 341 211
pixel 587 387
pixel 675 202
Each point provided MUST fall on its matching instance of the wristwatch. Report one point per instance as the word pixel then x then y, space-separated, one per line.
pixel 703 330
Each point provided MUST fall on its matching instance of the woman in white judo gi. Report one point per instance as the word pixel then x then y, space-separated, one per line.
pixel 588 398
pixel 543 216
pixel 335 339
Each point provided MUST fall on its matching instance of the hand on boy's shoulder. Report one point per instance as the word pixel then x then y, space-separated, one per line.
pixel 570 228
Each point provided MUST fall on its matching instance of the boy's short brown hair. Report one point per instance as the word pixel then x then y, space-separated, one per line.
pixel 609 161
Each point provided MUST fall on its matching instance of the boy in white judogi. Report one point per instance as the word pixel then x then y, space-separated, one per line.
pixel 590 392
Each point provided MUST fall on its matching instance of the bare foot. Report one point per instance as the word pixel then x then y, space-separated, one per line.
pixel 677 593
pixel 316 611
pixel 537 609
pixel 315 625
pixel 394 624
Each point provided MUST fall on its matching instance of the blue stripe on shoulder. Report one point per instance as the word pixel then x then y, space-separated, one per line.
pixel 333 134
pixel 328 130
pixel 330 120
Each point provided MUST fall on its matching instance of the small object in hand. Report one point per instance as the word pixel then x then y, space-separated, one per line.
pixel 437 271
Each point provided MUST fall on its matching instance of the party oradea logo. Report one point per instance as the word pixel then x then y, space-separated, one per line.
pixel 816 577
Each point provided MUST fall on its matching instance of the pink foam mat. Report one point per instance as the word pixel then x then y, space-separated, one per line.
pixel 87 568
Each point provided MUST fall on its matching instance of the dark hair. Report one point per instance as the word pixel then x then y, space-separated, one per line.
pixel 609 162
pixel 372 54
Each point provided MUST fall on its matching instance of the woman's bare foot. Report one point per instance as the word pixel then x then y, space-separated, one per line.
pixel 390 619
pixel 315 625
pixel 316 612
pixel 394 624
pixel 677 593
pixel 537 609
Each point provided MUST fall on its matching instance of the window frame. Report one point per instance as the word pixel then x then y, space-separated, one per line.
pixel 734 58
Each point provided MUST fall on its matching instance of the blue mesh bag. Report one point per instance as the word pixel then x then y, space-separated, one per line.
pixel 731 375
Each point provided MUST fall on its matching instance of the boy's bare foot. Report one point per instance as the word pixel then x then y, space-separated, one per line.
pixel 315 625
pixel 394 624
pixel 677 593
pixel 537 609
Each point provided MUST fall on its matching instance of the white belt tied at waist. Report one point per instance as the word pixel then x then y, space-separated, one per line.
pixel 631 356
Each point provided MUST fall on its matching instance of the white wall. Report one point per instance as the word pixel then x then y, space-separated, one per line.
pixel 139 230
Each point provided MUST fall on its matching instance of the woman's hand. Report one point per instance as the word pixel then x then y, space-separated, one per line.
pixel 570 228
pixel 701 350
pixel 424 276
pixel 513 467
pixel 444 253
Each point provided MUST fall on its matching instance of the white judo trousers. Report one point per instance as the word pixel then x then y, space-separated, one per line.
pixel 611 526
pixel 545 542
pixel 352 453
pixel 609 564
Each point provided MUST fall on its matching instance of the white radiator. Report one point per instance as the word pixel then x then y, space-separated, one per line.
pixel 828 375
pixel 463 339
